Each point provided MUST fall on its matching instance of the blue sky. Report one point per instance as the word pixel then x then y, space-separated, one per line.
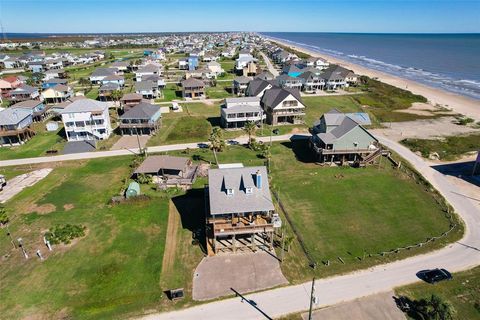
pixel 228 15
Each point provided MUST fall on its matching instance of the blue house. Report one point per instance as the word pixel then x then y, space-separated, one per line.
pixel 147 52
pixel 192 63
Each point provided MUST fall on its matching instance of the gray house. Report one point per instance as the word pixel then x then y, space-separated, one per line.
pixel 240 212
pixel 144 118
pixel 339 137
pixel 15 126
pixel 283 106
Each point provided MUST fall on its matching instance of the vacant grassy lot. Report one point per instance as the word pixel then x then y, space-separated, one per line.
pixel 37 146
pixel 448 148
pixel 463 292
pixel 115 269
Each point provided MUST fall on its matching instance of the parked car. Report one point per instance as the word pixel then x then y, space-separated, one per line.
pixel 3 181
pixel 434 275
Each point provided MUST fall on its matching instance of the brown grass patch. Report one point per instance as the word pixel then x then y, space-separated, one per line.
pixel 43 209
pixel 171 239
pixel 68 206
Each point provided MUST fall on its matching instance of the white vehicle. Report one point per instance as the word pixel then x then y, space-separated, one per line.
pixel 175 106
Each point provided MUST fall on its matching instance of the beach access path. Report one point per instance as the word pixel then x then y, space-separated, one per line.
pixel 270 66
pixel 458 256
pixel 464 105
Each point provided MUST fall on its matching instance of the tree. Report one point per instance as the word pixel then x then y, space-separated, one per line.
pixel 84 82
pixel 3 216
pixel 250 128
pixel 116 95
pixel 216 141
pixel 144 178
pixel 267 154
pixel 434 308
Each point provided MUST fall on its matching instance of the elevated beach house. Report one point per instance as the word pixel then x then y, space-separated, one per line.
pixel 130 99
pixel 57 94
pixel 240 85
pixel 24 92
pixel 86 119
pixel 144 118
pixel 341 137
pixel 337 77
pixel 283 106
pixel 235 112
pixel 15 126
pixel 193 88
pixel 35 107
pixel 239 210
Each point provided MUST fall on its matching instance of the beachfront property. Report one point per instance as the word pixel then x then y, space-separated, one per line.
pixel 240 214
pixel 86 119
pixel 141 119
pixel 337 77
pixel 36 108
pixel 289 82
pixel 235 112
pixel 341 137
pixel 193 89
pixel 311 82
pixel 15 126
pixel 56 94
pixel 283 106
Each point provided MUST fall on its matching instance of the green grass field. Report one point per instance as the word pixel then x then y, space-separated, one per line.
pixel 448 148
pixel 462 293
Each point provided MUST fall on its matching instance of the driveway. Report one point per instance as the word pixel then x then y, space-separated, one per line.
pixel 130 142
pixel 375 307
pixel 18 183
pixel 245 272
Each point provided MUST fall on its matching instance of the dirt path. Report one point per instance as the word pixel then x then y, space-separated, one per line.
pixel 171 240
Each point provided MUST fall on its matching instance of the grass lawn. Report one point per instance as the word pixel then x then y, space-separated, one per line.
pixel 218 92
pixel 37 146
pixel 463 293
pixel 92 94
pixel 112 271
pixel 448 148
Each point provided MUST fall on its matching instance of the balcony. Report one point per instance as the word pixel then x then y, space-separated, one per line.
pixel 240 225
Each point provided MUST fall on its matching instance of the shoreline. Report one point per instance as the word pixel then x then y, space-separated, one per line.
pixel 460 104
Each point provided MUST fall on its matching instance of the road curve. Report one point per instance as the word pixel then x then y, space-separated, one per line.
pixel 458 256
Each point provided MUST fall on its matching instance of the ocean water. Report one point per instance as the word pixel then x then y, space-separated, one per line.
pixel 448 61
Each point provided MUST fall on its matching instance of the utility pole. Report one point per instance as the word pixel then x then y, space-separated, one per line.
pixel 312 297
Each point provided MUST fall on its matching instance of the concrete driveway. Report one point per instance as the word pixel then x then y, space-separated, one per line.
pixel 18 183
pixel 244 272
pixel 375 307
pixel 130 142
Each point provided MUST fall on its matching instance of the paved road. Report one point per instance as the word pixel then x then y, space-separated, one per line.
pixel 455 257
pixel 116 153
pixel 270 66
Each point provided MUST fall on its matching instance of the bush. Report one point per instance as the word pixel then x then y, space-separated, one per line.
pixel 65 234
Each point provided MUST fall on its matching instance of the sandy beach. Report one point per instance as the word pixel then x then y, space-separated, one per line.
pixel 457 103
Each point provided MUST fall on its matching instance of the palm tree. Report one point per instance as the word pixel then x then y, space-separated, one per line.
pixel 116 95
pixel 216 141
pixel 267 154
pixel 250 128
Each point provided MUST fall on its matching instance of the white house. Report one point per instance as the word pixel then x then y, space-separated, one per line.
pixel 235 112
pixel 86 119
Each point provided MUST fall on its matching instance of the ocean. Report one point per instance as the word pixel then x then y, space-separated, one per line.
pixel 447 61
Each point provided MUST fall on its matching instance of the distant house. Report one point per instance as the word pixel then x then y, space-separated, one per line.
pixel 24 92
pixel 316 62
pixel 130 99
pixel 283 106
pixel 114 79
pixel 37 66
pixel 15 126
pixel 337 77
pixel 192 62
pixel 257 87
pixel 288 82
pixel 148 89
pixel 169 171
pixel 251 69
pixel 143 118
pixel 235 112
pixel 35 107
pixel 86 119
pixel 265 75
pixel 56 94
pixel 311 82
pixel 342 137
pixel 8 84
pixel 240 211
pixel 243 60
pixel 193 89
pixel 292 70
pixel 101 73
pixel 121 66
pixel 215 69
pixel 148 70
pixel 240 85
pixel 183 64
pixel 53 82
pixel 105 91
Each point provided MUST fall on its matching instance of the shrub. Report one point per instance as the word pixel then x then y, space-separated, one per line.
pixel 65 233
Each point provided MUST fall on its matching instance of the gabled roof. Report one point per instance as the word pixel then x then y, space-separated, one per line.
pixel 335 72
pixel 192 82
pixel 272 97
pixel 149 68
pixel 85 105
pixel 24 88
pixel 238 179
pixel 27 104
pixel 256 86
pixel 265 75
pixel 142 110
pixel 13 116
pixel 147 85
pixel 103 72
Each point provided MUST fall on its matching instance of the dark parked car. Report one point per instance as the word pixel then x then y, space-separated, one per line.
pixel 434 275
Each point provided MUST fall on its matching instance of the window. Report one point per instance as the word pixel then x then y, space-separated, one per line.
pixel 355 144
pixel 230 192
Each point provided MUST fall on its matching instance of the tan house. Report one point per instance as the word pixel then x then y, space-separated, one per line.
pixel 57 94
pixel 193 89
